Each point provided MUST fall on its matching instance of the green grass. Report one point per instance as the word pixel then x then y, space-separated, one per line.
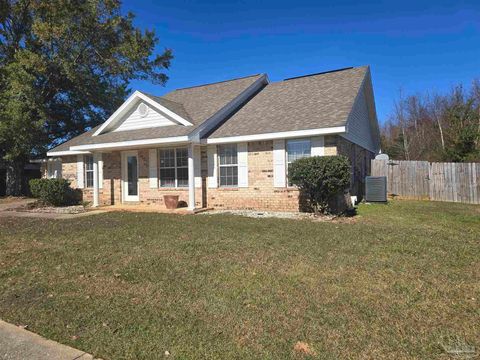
pixel 401 281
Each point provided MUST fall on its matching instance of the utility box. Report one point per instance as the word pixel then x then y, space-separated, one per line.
pixel 376 189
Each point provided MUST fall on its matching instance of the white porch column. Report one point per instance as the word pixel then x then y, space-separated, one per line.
pixel 95 182
pixel 191 179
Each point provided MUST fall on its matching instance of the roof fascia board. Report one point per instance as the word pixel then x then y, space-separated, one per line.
pixel 66 153
pixel 127 105
pixel 277 135
pixel 220 115
pixel 130 143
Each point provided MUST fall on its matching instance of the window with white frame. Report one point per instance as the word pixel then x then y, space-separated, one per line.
pixel 297 149
pixel 88 159
pixel 173 167
pixel 228 165
pixel 54 169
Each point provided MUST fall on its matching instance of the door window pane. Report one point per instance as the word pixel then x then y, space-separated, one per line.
pixel 132 175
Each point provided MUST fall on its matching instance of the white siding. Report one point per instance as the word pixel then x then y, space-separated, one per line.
pixel 133 120
pixel 359 129
pixel 279 166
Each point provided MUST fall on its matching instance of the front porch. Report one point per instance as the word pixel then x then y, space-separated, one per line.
pixel 141 208
pixel 130 180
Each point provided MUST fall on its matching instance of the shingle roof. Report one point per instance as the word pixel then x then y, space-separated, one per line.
pixel 310 102
pixel 201 102
pixel 195 104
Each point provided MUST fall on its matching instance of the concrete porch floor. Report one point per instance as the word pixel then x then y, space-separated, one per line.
pixel 151 209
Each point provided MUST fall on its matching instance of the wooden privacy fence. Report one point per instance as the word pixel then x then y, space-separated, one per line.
pixel 457 182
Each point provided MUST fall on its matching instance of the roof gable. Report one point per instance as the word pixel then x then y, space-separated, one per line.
pixel 311 102
pixel 129 116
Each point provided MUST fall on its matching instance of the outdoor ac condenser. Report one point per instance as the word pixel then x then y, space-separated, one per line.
pixel 376 189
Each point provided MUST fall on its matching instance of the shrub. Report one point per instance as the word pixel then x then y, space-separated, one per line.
pixel 320 179
pixel 56 192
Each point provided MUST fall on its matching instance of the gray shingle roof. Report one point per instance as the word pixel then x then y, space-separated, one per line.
pixel 195 104
pixel 310 102
pixel 201 102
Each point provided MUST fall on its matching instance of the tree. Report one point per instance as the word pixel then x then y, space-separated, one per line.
pixel 65 65
pixel 320 179
pixel 438 127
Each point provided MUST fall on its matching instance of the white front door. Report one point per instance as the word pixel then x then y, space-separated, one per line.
pixel 130 188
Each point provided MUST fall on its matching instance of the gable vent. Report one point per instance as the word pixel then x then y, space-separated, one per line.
pixel 142 110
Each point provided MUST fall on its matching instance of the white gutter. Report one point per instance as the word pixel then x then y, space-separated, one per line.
pixel 131 143
pixel 277 135
pixel 66 153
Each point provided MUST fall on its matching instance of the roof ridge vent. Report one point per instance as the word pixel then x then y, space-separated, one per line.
pixel 320 73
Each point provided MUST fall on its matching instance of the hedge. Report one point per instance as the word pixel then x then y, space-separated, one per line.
pixel 320 179
pixel 56 192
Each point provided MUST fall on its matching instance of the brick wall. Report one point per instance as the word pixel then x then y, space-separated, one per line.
pixel 111 193
pixel 260 195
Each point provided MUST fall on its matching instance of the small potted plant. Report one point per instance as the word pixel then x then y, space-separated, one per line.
pixel 171 201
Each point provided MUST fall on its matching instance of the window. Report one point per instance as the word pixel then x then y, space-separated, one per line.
pixel 173 167
pixel 297 149
pixel 228 163
pixel 88 171
pixel 54 169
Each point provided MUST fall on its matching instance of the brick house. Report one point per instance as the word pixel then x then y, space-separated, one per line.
pixel 223 145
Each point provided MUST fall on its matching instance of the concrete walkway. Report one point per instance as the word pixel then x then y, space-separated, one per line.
pixel 17 343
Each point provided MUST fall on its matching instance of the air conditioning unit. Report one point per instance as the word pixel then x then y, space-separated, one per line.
pixel 376 189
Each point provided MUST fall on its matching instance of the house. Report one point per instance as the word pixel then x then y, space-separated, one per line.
pixel 224 145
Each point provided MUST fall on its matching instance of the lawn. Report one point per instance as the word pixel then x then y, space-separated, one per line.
pixel 401 281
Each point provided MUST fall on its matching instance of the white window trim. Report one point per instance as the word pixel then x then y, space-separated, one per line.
pixel 85 171
pixel 226 165
pixel 171 167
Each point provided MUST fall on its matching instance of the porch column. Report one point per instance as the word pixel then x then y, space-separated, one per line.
pixel 191 179
pixel 95 182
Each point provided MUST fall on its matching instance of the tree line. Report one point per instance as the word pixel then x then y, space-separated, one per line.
pixel 435 127
pixel 65 66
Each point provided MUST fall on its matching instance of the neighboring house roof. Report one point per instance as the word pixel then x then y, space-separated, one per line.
pixel 311 102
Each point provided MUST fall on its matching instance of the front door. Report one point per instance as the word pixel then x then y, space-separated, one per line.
pixel 130 176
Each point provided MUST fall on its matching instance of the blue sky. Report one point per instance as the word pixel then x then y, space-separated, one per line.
pixel 415 46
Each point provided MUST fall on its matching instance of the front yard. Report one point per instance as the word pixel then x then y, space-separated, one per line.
pixel 402 281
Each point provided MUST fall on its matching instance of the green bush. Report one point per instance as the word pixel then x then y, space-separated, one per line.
pixel 320 179
pixel 56 192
